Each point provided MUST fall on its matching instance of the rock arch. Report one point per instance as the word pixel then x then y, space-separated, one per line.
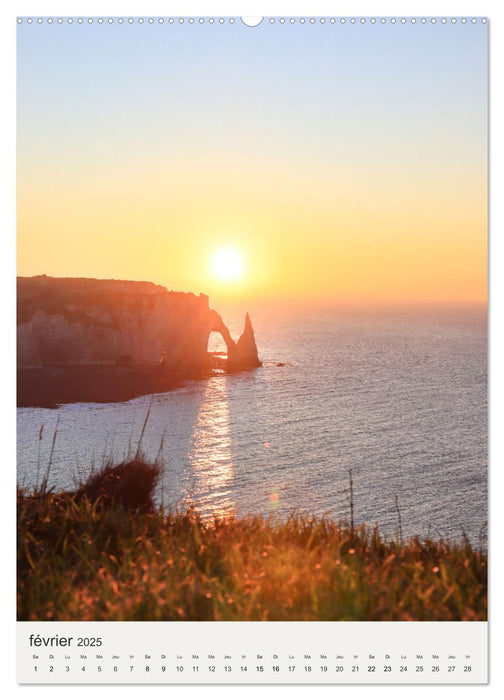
pixel 242 353
pixel 112 340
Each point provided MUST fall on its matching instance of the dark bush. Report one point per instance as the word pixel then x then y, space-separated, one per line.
pixel 130 484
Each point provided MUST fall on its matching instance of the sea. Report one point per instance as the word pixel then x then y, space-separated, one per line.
pixel 385 409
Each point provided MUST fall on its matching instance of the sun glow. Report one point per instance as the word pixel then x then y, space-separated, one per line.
pixel 227 265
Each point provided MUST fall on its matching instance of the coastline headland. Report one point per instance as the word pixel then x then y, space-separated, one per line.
pixel 93 340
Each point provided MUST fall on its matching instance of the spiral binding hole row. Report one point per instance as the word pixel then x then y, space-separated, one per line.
pixel 232 20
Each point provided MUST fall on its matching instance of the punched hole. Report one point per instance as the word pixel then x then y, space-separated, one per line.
pixel 251 21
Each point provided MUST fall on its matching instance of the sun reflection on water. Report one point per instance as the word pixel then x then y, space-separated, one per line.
pixel 211 462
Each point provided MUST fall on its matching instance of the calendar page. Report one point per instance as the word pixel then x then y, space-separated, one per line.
pixel 252 349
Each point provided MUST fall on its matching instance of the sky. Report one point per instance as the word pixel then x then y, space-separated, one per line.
pixel 344 163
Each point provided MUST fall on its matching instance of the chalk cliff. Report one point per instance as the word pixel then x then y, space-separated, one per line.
pixel 138 329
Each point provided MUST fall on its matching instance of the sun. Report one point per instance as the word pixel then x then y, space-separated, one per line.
pixel 227 265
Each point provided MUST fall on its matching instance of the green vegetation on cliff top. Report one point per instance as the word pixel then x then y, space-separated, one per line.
pixel 106 553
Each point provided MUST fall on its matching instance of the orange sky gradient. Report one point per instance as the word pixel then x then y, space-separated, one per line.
pixel 363 183
pixel 302 241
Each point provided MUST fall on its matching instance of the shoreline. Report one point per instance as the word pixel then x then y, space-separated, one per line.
pixel 52 386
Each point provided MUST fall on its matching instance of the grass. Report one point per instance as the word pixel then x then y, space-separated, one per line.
pixel 105 552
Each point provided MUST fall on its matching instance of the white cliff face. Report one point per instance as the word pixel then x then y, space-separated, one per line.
pixel 68 322
pixel 104 322
pixel 108 340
